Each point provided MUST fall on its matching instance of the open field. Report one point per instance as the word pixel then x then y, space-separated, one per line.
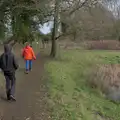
pixel 71 97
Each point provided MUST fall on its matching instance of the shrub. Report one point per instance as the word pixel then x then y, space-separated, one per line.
pixel 107 79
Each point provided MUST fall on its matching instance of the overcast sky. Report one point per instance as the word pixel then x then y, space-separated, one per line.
pixel 45 29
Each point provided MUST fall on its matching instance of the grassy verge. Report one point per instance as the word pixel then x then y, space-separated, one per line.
pixel 70 96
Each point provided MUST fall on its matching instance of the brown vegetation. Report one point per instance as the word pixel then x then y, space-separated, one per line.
pixel 107 79
pixel 103 45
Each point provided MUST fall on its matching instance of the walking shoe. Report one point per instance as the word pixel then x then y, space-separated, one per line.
pixel 12 98
pixel 8 95
pixel 26 72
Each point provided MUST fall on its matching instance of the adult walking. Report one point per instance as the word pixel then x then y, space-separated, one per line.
pixel 28 55
pixel 9 65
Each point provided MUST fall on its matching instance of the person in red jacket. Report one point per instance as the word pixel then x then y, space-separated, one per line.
pixel 28 55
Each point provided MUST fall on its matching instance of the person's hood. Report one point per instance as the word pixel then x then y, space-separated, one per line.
pixel 27 47
pixel 7 48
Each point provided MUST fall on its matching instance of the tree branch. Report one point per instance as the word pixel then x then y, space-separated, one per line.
pixel 77 8
pixel 62 35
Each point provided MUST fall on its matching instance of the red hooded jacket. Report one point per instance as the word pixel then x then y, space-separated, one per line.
pixel 28 53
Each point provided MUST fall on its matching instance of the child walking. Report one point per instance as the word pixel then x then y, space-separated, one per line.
pixel 9 65
pixel 28 55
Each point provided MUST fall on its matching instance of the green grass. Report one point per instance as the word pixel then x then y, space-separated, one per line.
pixel 70 96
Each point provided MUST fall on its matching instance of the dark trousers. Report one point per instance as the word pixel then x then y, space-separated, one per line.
pixel 10 84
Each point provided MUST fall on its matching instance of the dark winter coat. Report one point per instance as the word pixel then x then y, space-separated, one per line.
pixel 8 63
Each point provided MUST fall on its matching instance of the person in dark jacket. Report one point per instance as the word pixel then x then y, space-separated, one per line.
pixel 9 65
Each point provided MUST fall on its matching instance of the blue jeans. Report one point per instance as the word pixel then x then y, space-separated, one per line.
pixel 28 65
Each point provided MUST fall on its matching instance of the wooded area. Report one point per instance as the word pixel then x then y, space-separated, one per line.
pixel 20 20
pixel 81 81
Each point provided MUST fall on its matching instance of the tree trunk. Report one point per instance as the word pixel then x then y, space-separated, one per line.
pixel 55 30
pixel 74 36
pixel 53 48
pixel 43 44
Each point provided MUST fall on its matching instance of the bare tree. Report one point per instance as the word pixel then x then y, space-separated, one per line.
pixel 68 8
pixel 55 29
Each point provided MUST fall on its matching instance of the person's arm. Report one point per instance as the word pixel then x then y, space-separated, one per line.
pixel 33 54
pixel 15 63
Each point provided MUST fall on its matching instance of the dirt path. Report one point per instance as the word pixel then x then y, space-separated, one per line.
pixel 31 96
